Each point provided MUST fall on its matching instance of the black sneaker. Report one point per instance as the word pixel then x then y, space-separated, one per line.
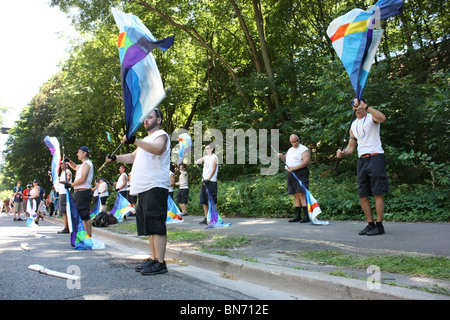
pixel 378 229
pixel 144 264
pixel 64 231
pixel 364 231
pixel 155 268
pixel 204 221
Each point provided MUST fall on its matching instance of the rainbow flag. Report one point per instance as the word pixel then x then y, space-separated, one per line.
pixel 79 238
pixel 185 146
pixel 214 219
pixel 53 145
pixel 142 86
pixel 121 208
pixel 173 213
pixel 313 206
pixel 96 209
pixel 356 36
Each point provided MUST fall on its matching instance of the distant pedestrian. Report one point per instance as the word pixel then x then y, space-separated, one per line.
pixel 183 191
pixel 122 182
pixel 103 192
pixel 209 178
pixel 18 201
pixel 62 203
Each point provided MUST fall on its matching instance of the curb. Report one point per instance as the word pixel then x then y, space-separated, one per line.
pixel 296 282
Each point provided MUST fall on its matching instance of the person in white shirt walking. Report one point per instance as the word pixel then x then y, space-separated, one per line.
pixel 297 159
pixel 371 169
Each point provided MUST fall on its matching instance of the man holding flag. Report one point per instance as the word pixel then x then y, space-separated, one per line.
pixel 371 168
pixel 150 171
pixel 297 159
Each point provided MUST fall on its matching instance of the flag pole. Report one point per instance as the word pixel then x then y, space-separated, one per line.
pixel 345 140
pixel 115 151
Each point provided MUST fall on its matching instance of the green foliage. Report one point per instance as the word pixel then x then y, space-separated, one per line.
pixel 266 196
pixel 220 73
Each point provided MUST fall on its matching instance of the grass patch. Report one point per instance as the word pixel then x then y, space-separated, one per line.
pixel 220 245
pixel 433 267
pixel 124 228
pixel 186 235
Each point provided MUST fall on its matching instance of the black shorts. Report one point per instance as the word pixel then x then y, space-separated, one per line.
pixel 372 177
pixel 132 199
pixel 103 200
pixel 183 196
pixel 151 212
pixel 62 201
pixel 212 188
pixel 83 203
pixel 124 194
pixel 293 186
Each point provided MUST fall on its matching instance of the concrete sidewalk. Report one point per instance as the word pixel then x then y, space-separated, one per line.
pixel 273 247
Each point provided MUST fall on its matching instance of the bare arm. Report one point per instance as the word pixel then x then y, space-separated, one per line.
pixel 84 174
pixel 157 147
pixel 350 147
pixel 306 157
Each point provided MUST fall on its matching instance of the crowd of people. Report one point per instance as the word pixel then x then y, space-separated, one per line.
pixel 153 181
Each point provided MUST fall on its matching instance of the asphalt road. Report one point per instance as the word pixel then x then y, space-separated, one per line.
pixel 106 274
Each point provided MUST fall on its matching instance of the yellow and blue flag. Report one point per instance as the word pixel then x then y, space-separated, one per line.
pixel 185 146
pixel 121 208
pixel 173 213
pixel 356 36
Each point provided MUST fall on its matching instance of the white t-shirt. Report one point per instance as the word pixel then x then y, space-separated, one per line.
pixel 61 187
pixel 122 179
pixel 367 134
pixel 88 183
pixel 294 155
pixel 183 180
pixel 103 189
pixel 151 170
pixel 208 167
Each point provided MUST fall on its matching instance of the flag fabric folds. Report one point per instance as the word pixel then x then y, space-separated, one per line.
pixel 214 219
pixel 121 208
pixel 79 238
pixel 142 86
pixel 185 146
pixel 173 213
pixel 96 209
pixel 356 36
pixel 31 210
pixel 312 204
pixel 53 145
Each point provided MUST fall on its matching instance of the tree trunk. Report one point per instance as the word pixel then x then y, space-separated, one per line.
pixel 196 36
pixel 262 39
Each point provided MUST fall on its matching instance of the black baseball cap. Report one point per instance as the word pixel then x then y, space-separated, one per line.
pixel 85 149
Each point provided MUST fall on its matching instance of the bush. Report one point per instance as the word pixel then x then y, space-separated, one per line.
pixel 266 196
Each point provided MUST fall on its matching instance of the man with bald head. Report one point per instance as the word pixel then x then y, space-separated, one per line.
pixel 297 160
